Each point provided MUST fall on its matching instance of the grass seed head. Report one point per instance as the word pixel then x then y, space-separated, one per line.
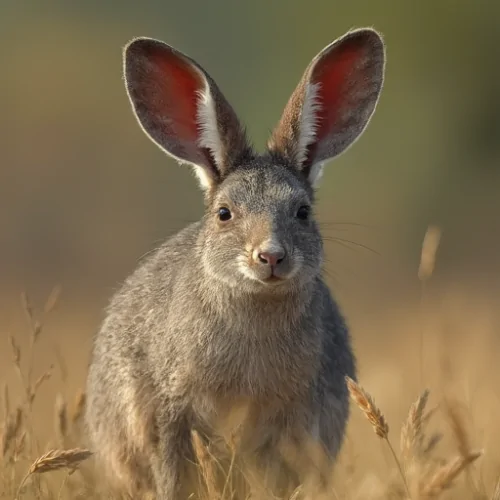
pixel 412 432
pixel 429 249
pixel 447 473
pixel 59 459
pixel 11 430
pixel 367 405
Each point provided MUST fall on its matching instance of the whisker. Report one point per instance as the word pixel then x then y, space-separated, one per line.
pixel 345 243
pixel 333 223
pixel 350 272
pixel 332 275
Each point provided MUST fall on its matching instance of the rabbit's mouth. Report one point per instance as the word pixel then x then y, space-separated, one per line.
pixel 277 277
pixel 273 278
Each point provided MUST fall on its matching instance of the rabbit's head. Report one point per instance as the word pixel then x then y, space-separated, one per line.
pixel 258 232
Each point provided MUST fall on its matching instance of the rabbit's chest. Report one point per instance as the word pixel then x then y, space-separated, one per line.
pixel 262 363
pixel 253 379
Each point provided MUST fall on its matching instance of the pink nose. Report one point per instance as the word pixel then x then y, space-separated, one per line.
pixel 271 258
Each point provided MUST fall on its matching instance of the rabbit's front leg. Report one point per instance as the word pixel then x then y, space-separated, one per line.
pixel 169 461
pixel 309 448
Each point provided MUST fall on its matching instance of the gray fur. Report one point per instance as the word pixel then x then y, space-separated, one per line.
pixel 198 329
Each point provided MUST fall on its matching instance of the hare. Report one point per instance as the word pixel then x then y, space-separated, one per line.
pixel 232 312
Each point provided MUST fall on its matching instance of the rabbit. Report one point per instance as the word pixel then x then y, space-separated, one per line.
pixel 232 311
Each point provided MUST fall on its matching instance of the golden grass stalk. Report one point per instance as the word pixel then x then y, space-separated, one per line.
pixel 20 446
pixel 432 442
pixel 61 363
pixel 427 262
pixel 376 418
pixel 27 307
pixel 446 474
pixel 6 402
pixel 233 444
pixel 206 466
pixel 454 412
pixel 52 299
pixel 78 407
pixel 428 255
pixel 412 432
pixel 33 323
pixel 33 389
pixel 16 352
pixel 11 430
pixel 59 459
pixel 367 405
pixel 496 491
pixel 296 494
pixel 56 460
pixel 61 419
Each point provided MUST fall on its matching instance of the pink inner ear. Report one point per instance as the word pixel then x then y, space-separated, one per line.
pixel 177 98
pixel 339 81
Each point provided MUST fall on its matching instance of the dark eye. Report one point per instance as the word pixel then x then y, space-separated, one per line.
pixel 224 214
pixel 303 213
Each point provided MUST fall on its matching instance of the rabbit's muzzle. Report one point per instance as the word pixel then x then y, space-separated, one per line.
pixel 269 263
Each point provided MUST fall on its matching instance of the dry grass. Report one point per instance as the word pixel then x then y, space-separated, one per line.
pixel 55 460
pixel 367 405
pixel 438 455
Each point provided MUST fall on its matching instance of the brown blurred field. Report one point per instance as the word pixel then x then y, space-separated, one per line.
pixel 83 195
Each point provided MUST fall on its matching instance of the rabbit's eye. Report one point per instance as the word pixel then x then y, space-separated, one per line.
pixel 224 214
pixel 303 213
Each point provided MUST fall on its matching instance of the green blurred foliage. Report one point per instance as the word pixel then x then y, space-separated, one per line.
pixel 83 193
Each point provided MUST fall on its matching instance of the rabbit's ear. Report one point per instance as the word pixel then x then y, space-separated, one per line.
pixel 333 102
pixel 181 109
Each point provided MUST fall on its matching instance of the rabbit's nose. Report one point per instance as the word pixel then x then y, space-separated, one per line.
pixel 271 258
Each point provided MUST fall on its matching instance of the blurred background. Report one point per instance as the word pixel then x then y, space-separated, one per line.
pixel 84 194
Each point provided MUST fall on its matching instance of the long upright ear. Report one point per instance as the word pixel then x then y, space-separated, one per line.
pixel 181 109
pixel 333 102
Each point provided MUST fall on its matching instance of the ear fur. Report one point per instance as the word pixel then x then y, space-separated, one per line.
pixel 332 104
pixel 181 109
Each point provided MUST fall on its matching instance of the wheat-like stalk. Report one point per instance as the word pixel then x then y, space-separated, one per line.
pixel 61 419
pixel 375 416
pixel 456 415
pixel 11 430
pixel 26 306
pixel 52 300
pixel 429 249
pixel 33 389
pixel 6 401
pixel 34 325
pixel 454 412
pixel 432 442
pixel 78 407
pixel 427 262
pixel 367 405
pixel 16 352
pixel 296 493
pixel 496 491
pixel 412 432
pixel 206 466
pixel 55 460
pixel 20 446
pixel 59 459
pixel 446 474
